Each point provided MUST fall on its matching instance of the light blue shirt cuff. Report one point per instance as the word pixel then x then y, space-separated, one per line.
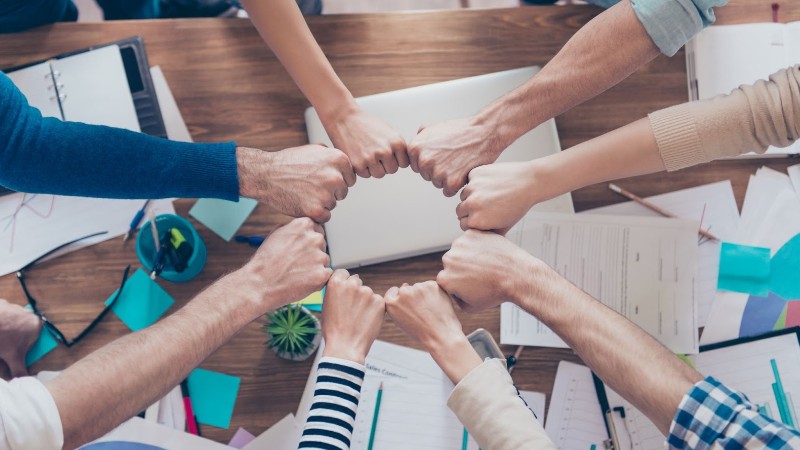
pixel 671 23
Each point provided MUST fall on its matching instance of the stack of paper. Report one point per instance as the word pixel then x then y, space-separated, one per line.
pixel 770 219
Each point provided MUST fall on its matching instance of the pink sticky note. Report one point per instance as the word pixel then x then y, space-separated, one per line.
pixel 793 314
pixel 241 438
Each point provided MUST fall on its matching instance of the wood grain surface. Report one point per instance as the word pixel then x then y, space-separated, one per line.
pixel 229 86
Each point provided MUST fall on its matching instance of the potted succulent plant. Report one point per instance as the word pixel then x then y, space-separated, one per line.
pixel 294 332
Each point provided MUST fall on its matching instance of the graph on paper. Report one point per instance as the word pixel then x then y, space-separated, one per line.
pixel 575 420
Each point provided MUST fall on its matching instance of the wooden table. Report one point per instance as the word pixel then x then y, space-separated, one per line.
pixel 230 87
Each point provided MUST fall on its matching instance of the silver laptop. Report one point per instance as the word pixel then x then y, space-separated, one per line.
pixel 402 215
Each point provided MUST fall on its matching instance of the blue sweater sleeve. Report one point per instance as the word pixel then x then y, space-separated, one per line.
pixel 45 155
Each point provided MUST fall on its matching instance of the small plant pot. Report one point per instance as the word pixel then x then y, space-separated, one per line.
pixel 294 332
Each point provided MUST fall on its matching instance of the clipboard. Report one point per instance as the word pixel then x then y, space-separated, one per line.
pixel 611 413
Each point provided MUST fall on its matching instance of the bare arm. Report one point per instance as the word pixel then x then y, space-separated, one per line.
pixel 484 269
pixel 115 382
pixel 373 147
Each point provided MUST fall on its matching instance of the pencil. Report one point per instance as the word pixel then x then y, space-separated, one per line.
pixel 465 439
pixel 375 417
pixel 658 209
pixel 516 358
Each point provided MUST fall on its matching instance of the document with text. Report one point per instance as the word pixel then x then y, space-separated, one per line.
pixel 641 267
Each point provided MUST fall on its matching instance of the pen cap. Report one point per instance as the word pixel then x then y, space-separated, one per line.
pixel 146 252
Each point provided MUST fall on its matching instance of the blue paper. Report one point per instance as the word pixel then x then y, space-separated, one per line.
pixel 142 301
pixel 761 314
pixel 221 216
pixel 213 396
pixel 743 268
pixel 44 345
pixel 784 277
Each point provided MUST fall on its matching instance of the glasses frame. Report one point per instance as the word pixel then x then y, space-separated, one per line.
pixel 49 325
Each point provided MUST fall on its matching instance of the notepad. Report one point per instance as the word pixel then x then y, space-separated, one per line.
pixel 89 87
pixel 641 267
pixel 574 420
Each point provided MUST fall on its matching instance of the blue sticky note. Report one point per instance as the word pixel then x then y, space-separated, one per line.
pixel 784 279
pixel 213 396
pixel 44 345
pixel 221 216
pixel 761 314
pixel 142 301
pixel 743 268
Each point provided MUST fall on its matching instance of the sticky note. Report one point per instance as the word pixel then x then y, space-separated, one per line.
pixel 241 438
pixel 314 301
pixel 44 345
pixel 743 268
pixel 783 278
pixel 221 216
pixel 142 301
pixel 793 314
pixel 213 396
pixel 761 314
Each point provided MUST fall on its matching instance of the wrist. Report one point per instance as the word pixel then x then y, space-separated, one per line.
pixel 248 161
pixel 253 290
pixel 455 355
pixel 337 109
pixel 507 118
pixel 348 352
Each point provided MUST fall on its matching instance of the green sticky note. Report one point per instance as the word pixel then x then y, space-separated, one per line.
pixel 44 345
pixel 221 216
pixel 213 396
pixel 142 301
pixel 784 277
pixel 743 268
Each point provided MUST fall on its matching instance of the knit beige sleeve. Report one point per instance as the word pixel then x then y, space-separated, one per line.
pixel 749 119
pixel 489 406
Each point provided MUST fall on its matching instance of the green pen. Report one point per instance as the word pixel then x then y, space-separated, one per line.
pixel 375 417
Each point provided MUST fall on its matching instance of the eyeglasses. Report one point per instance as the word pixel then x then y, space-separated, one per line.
pixel 50 326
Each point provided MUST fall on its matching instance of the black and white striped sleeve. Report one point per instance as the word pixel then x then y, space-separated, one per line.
pixel 333 410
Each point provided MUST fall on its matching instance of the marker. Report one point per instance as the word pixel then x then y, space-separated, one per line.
pixel 135 222
pixel 252 241
pixel 375 418
pixel 191 420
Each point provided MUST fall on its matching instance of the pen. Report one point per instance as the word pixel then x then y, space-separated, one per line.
pixel 375 417
pixel 252 241
pixel 647 204
pixel 515 358
pixel 135 222
pixel 191 420
pixel 465 439
pixel 154 229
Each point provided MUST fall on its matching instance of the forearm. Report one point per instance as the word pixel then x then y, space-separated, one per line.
pixel 601 54
pixel 626 358
pixel 284 30
pixel 115 382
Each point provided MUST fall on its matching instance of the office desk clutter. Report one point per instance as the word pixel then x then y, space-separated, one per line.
pixel 683 311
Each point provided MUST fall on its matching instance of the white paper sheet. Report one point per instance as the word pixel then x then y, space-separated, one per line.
pixel 173 120
pixel 145 432
pixel 715 205
pixel 642 267
pixel 575 420
pixel 284 435
pixel 535 401
pixel 794 175
pixel 36 84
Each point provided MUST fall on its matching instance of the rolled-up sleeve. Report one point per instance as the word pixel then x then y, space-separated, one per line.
pixel 28 416
pixel 671 23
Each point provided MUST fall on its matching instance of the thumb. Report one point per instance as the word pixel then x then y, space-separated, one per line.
pixel 16 365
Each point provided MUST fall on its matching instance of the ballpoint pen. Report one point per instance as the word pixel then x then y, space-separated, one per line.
pixel 135 222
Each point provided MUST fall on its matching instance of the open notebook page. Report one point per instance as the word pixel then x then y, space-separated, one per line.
pixel 641 267
pixel 96 89
pixel 715 205
pixel 749 368
pixel 575 420
pixel 36 84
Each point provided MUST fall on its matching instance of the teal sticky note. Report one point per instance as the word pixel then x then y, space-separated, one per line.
pixel 743 268
pixel 142 301
pixel 213 396
pixel 221 216
pixel 44 345
pixel 784 279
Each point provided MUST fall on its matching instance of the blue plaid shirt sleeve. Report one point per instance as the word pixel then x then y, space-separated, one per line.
pixel 713 416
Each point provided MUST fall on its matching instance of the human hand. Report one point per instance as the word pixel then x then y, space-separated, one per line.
pixel 483 269
pixel 300 181
pixel 19 330
pixel 374 148
pixel 425 313
pixel 445 153
pixel 288 266
pixel 497 196
pixel 351 317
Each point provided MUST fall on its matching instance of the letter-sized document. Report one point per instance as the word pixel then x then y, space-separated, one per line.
pixel 413 411
pixel 751 368
pixel 575 420
pixel 641 267
pixel 284 435
pixel 714 206
pixel 141 431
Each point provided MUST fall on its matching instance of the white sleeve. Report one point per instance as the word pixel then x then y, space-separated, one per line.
pixel 28 416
